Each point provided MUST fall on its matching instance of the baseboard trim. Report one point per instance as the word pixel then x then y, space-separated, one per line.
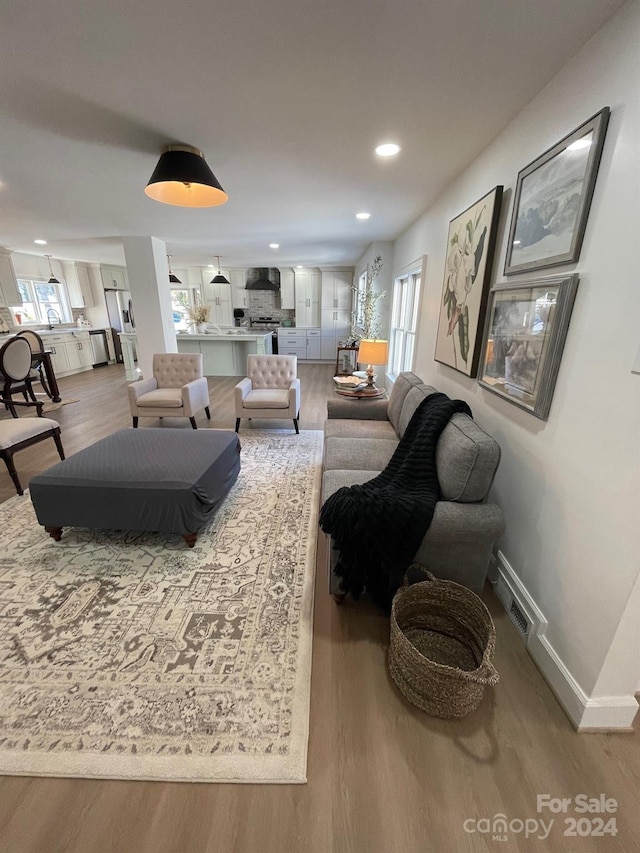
pixel 604 713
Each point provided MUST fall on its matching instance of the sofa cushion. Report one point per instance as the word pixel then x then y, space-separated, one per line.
pixel 267 398
pixel 366 454
pixel 466 459
pixel 411 402
pixel 163 398
pixel 401 388
pixel 346 428
pixel 334 480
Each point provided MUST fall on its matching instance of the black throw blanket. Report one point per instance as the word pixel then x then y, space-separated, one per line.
pixel 378 526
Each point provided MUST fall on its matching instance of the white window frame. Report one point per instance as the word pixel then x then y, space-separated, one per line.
pixel 194 299
pixel 42 319
pixel 408 285
pixel 358 302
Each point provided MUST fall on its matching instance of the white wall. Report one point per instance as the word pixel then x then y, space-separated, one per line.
pixel 570 486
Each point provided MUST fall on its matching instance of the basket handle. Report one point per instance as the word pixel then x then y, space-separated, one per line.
pixel 427 574
pixel 485 674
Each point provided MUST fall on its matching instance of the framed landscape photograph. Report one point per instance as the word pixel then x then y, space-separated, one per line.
pixel 470 248
pixel 552 200
pixel 523 340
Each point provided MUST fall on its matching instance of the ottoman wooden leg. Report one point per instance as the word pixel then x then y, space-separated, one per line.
pixel 190 538
pixel 54 532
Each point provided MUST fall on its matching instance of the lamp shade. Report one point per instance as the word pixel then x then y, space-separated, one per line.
pixel 373 351
pixel 183 178
pixel 219 278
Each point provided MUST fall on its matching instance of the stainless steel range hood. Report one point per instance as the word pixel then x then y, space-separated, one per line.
pixel 263 278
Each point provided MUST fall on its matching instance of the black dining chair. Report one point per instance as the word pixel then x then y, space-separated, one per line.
pixel 15 367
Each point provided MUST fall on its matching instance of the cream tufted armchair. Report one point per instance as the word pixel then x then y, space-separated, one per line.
pixel 271 389
pixel 177 389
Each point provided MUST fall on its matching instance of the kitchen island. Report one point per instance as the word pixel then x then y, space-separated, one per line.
pixel 223 354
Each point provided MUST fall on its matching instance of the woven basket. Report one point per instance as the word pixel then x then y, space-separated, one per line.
pixel 442 643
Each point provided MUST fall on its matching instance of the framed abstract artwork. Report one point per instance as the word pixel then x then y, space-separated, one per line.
pixel 523 340
pixel 552 199
pixel 470 249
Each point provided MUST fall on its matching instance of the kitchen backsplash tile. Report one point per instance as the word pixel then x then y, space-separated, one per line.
pixel 266 303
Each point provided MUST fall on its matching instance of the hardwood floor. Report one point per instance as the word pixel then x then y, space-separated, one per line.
pixel 383 776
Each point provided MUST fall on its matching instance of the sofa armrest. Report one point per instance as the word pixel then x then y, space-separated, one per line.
pixel 241 390
pixel 465 522
pixel 195 395
pixel 357 409
pixel 142 386
pixel 294 395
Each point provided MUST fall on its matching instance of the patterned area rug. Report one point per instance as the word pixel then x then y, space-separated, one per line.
pixel 130 656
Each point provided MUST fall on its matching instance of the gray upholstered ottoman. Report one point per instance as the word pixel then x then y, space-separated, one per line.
pixel 166 480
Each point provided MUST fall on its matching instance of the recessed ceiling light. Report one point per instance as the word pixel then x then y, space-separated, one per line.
pixel 585 142
pixel 362 215
pixel 274 245
pixel 388 149
pixel 298 266
pixel 40 242
pixel 211 266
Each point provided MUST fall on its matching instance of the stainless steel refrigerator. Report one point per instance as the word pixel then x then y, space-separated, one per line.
pixel 121 319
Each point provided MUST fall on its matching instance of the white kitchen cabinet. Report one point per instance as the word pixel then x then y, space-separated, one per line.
pixel 9 293
pixel 314 343
pixel 337 290
pixel 218 298
pixel 292 342
pixel 76 278
pixel 113 278
pixel 79 354
pixel 238 279
pixel 307 291
pixel 287 288
pixel 70 352
pixel 57 346
pixel 336 326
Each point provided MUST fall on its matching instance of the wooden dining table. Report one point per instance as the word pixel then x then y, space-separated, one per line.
pixel 41 361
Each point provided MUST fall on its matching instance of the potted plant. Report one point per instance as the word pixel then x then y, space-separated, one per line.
pixel 199 316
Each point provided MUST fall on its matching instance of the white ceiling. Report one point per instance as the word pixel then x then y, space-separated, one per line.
pixel 286 98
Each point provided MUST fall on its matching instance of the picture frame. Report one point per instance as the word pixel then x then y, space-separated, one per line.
pixel 523 340
pixel 552 200
pixel 471 243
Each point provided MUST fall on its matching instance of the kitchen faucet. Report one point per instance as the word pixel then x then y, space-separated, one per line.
pixel 49 311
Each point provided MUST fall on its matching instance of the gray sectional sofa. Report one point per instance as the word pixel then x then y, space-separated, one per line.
pixel 360 438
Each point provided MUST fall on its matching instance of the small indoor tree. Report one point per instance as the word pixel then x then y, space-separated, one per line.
pixel 365 321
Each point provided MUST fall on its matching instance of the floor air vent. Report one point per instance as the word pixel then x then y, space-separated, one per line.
pixel 518 618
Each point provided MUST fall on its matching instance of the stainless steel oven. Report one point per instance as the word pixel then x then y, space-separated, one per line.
pixel 267 324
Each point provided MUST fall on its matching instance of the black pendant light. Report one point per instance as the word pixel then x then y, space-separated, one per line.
pixel 182 177
pixel 173 278
pixel 219 279
pixel 52 279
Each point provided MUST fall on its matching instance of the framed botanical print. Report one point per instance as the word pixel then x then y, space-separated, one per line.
pixel 470 249
pixel 523 340
pixel 552 200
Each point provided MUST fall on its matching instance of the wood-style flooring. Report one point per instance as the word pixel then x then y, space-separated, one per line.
pixel 383 777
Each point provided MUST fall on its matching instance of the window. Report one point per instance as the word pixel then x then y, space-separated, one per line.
pixel 404 321
pixel 181 300
pixel 358 303
pixel 42 303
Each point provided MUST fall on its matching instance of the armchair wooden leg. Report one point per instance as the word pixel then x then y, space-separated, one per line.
pixel 135 423
pixel 56 438
pixel 193 422
pixel 207 413
pixel 11 468
pixel 295 423
pixel 237 424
